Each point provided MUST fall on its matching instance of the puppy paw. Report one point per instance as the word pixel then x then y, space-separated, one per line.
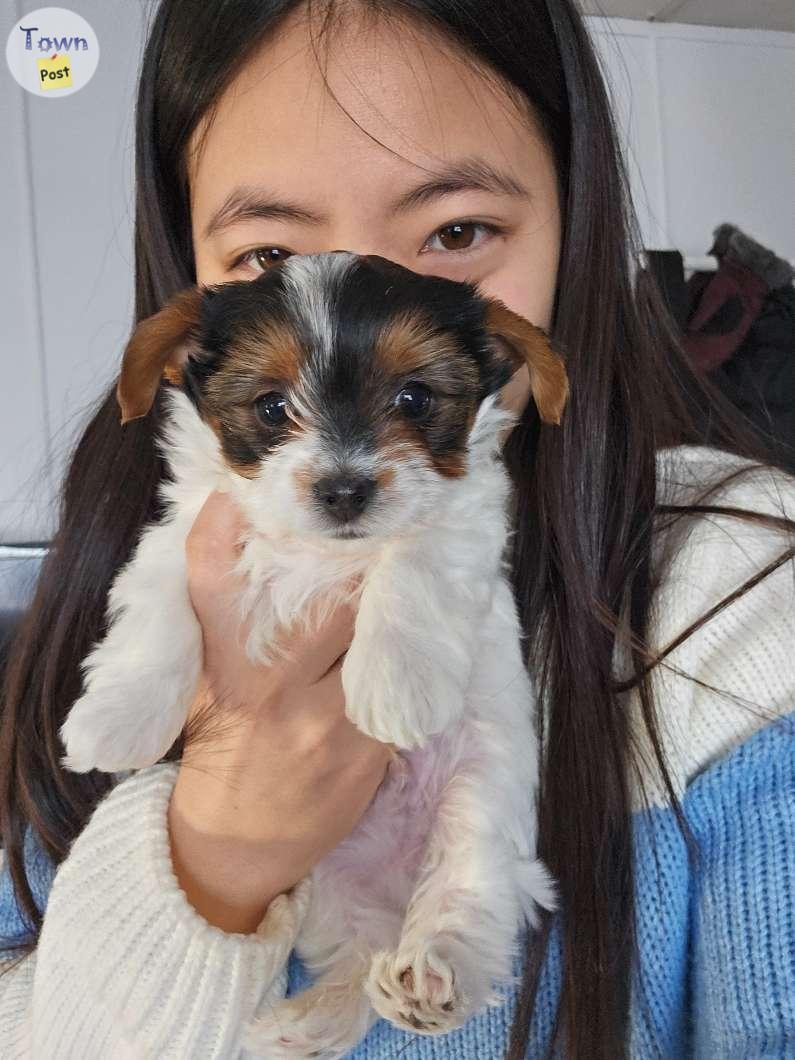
pixel 418 993
pixel 280 1036
pixel 396 692
pixel 323 1021
pixel 123 726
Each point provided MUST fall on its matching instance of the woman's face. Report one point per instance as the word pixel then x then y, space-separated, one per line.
pixel 283 170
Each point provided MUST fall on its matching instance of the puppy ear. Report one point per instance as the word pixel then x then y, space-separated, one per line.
pixel 158 349
pixel 517 342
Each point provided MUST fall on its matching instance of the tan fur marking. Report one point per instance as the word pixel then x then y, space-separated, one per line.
pixel 548 379
pixel 257 360
pixel 157 349
pixel 402 435
pixel 451 466
pixel 272 350
pixel 410 342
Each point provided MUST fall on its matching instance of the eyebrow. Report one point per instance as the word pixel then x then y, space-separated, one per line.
pixel 246 203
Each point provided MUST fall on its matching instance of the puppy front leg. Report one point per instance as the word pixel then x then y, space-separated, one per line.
pixel 409 664
pixel 480 877
pixel 140 679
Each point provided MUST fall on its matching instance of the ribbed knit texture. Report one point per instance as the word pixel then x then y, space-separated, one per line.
pixel 125 967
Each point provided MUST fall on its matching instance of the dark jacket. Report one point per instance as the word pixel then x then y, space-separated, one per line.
pixel 759 378
pixel 737 327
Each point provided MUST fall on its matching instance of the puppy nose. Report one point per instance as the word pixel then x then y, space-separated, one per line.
pixel 344 497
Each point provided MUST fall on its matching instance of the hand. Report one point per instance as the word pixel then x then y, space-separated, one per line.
pixel 273 774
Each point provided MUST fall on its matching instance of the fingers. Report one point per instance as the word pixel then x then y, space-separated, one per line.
pixel 212 547
pixel 323 652
pixel 216 530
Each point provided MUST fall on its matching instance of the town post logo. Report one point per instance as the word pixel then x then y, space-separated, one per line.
pixel 55 72
pixel 52 52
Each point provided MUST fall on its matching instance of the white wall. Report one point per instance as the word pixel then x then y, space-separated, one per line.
pixel 706 115
pixel 707 120
pixel 66 290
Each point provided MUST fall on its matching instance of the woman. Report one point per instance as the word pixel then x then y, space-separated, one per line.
pixel 663 802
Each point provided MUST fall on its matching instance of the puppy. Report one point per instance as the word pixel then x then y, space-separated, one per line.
pixel 351 409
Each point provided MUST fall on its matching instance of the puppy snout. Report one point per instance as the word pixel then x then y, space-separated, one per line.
pixel 344 497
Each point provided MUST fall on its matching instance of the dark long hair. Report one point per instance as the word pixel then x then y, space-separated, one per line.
pixel 585 490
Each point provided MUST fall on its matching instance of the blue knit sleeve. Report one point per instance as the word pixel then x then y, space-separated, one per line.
pixel 40 871
pixel 742 971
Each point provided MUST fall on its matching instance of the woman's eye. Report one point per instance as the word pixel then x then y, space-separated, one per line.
pixel 414 401
pixel 271 408
pixel 456 239
pixel 253 256
pixel 457 233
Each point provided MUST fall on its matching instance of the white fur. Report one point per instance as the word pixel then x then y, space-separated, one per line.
pixel 440 872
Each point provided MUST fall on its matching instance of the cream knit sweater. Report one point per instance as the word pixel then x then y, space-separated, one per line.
pixel 125 967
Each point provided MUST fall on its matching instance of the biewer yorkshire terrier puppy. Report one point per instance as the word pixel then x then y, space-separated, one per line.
pixel 351 408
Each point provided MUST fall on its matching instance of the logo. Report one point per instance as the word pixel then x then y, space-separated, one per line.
pixel 52 52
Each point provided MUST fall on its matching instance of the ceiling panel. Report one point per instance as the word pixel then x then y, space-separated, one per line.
pixel 740 14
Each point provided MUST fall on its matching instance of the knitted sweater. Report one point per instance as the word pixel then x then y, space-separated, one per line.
pixel 125 967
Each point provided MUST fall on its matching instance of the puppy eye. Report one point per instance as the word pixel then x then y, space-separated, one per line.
pixel 271 408
pixel 414 400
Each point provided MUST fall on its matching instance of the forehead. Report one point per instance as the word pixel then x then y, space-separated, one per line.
pixel 278 124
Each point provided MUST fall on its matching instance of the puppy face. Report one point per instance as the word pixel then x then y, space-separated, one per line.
pixel 343 387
